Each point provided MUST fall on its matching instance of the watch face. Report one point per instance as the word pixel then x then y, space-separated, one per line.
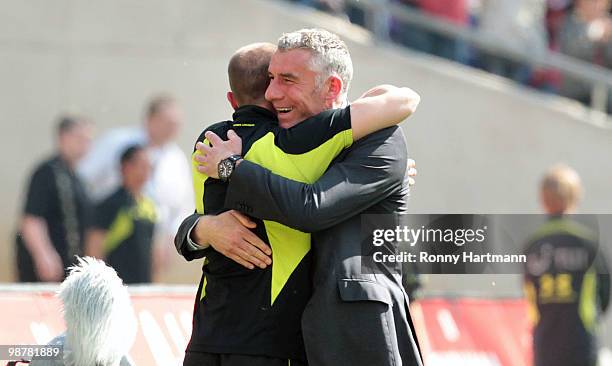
pixel 225 169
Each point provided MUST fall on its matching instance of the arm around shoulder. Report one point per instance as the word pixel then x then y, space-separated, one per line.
pixel 372 170
pixel 381 107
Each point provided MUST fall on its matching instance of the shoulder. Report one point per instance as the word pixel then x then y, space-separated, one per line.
pixel 44 170
pixel 393 132
pixel 338 117
pixel 384 153
pixel 219 128
pixel 147 201
pixel 390 140
pixel 114 201
pixel 44 167
pixel 565 226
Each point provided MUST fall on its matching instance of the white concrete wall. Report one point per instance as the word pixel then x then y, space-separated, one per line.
pixel 481 144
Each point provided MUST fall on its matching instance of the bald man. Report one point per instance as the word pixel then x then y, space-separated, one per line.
pixel 246 314
pixel 567 281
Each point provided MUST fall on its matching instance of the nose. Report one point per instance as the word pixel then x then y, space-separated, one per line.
pixel 273 92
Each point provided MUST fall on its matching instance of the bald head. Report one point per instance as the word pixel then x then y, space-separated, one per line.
pixel 560 190
pixel 248 72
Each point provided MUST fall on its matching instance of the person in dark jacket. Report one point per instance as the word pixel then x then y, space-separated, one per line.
pixel 567 281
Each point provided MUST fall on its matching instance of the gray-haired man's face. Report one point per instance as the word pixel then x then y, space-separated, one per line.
pixel 293 89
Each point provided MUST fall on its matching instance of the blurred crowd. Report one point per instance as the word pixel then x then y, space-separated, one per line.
pixel 578 28
pixel 119 198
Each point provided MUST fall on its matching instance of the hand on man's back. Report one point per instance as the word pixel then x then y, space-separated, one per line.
pixel 229 234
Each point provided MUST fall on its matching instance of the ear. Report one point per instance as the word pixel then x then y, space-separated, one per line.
pixel 334 88
pixel 232 100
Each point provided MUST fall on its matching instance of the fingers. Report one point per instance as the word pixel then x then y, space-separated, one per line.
pixel 213 138
pixel 254 240
pixel 243 219
pixel 203 148
pixel 208 171
pixel 253 255
pixel 411 163
pixel 249 236
pixel 236 258
pixel 235 142
pixel 247 255
pixel 201 158
pixel 412 171
pixel 233 136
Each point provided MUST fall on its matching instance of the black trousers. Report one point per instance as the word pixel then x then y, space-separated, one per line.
pixel 214 359
pixel 25 264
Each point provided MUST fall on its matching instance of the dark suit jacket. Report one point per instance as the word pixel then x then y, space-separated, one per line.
pixel 353 318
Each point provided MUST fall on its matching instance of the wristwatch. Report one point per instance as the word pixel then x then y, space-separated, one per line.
pixel 226 167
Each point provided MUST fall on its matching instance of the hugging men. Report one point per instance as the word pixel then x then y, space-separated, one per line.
pixel 267 297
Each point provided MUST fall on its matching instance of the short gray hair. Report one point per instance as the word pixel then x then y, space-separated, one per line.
pixel 100 320
pixel 330 54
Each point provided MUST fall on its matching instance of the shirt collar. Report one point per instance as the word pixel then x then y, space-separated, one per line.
pixel 253 114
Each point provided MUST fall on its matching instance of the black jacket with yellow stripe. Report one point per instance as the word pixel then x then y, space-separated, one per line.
pixel 567 285
pixel 258 312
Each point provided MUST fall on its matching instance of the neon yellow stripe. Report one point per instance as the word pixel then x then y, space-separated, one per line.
pixel 123 225
pixel 198 181
pixel 198 187
pixel 587 306
pixel 532 309
pixel 145 209
pixel 289 246
pixel 121 228
pixel 203 293
pixel 564 226
pixel 306 167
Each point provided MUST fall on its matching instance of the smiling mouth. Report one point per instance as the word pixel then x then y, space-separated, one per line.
pixel 284 110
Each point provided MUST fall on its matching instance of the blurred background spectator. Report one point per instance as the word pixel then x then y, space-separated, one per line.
pixel 586 34
pixel 420 39
pixel 577 28
pixel 56 211
pixel 567 280
pixel 123 223
pixel 520 24
pixel 169 184
pixel 336 7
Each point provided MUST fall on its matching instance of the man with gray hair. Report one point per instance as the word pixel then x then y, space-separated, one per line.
pixel 100 322
pixel 352 318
